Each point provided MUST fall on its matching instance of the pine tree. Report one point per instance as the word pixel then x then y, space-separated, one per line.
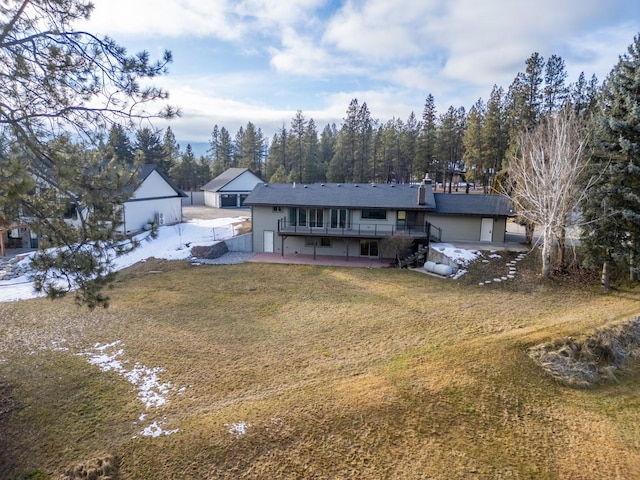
pixel 408 146
pixel 327 146
pixel 555 93
pixel 298 127
pixel 185 172
pixel 583 94
pixel 612 209
pixel 525 96
pixel 170 149
pixel 449 144
pixel 150 149
pixel 341 167
pixel 237 147
pixel 252 149
pixel 475 151
pixel 278 152
pixel 495 136
pixel 61 82
pixel 425 162
pixel 312 169
pixel 364 133
pixel 118 145
pixel 214 145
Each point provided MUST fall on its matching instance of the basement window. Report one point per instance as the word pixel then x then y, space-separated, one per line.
pixel 318 241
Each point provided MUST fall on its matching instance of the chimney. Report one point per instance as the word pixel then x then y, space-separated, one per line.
pixel 427 180
pixel 421 193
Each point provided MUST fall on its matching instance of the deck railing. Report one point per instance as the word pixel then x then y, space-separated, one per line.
pixel 371 230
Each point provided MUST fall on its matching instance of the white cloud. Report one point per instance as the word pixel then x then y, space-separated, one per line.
pixel 303 56
pixel 269 13
pixel 389 54
pixel 379 29
pixel 171 18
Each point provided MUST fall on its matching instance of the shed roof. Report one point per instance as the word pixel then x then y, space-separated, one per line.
pixel 473 204
pixel 225 178
pixel 342 195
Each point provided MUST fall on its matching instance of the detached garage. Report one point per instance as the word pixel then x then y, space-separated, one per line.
pixel 230 189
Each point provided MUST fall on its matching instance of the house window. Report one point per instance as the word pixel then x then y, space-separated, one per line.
pixel 339 218
pixel 306 217
pixel 317 241
pixel 316 217
pixel 277 209
pixel 298 217
pixel 374 214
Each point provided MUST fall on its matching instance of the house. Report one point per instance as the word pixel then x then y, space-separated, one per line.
pixel 230 188
pixel 156 199
pixel 353 219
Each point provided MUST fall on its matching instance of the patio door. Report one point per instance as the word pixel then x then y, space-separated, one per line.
pixel 486 230
pixel 369 248
pixel 339 218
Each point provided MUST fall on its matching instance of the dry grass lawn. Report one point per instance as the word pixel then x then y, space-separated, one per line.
pixel 314 372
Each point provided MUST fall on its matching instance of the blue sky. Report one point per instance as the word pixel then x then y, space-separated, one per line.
pixel 262 60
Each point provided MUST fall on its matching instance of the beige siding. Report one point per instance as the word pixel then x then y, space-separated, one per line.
pixel 466 228
pixel 264 218
pixel 499 229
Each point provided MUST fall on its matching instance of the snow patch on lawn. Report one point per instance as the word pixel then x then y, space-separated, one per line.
pixel 238 429
pixel 151 391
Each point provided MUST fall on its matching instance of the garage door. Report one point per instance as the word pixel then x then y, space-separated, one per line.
pixel 227 200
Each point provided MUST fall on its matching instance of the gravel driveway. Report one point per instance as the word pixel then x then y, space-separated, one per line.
pixel 202 212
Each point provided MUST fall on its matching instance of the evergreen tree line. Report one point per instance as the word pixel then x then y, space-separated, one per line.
pixel 448 146
pixel 445 145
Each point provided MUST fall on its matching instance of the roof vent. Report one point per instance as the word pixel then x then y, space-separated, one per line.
pixel 356 185
pixel 339 185
pixel 322 184
pixel 306 186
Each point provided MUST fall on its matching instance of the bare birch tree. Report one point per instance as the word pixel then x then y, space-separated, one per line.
pixel 546 175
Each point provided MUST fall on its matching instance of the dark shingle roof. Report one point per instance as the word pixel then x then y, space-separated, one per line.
pixel 487 205
pixel 223 179
pixel 366 195
pixel 341 195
